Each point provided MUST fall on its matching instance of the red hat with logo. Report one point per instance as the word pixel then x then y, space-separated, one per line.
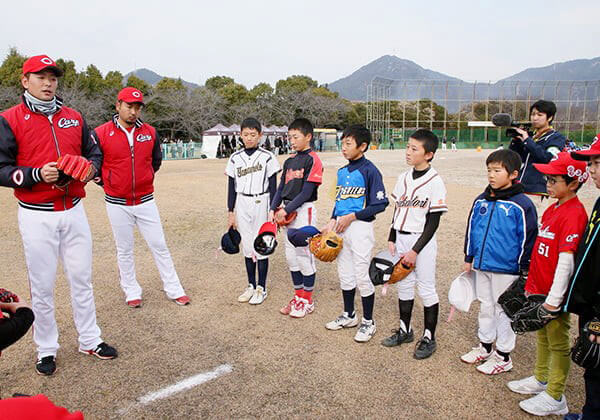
pixel 564 164
pixel 587 154
pixel 38 63
pixel 131 95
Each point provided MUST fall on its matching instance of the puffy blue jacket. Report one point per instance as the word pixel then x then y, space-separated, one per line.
pixel 501 231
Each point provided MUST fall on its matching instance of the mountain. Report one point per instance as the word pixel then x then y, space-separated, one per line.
pixel 584 69
pixel 153 78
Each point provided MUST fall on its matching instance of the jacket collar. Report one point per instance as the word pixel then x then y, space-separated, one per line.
pixel 115 119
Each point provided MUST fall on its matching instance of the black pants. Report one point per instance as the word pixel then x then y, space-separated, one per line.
pixel 591 409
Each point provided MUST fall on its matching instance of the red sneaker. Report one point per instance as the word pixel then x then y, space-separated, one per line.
pixel 135 303
pixel 183 300
pixel 288 308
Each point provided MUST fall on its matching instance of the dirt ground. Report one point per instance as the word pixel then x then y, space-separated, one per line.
pixel 281 367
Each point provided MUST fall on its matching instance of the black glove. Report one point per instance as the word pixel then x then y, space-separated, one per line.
pixel 533 316
pixel 586 353
pixel 513 299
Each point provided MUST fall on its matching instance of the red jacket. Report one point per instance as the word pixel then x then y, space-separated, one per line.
pixel 29 140
pixel 128 172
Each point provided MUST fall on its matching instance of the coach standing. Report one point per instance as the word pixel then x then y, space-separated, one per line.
pixel 132 155
pixel 52 220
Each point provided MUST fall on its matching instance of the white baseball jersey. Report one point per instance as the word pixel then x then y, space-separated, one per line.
pixel 252 173
pixel 415 198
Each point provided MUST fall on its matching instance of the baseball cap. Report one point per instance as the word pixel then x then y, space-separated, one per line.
pixel 131 95
pixel 299 237
pixel 586 154
pixel 462 291
pixel 564 164
pixel 230 242
pixel 38 63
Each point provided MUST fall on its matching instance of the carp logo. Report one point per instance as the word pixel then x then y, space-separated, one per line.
pixel 546 234
pixel 143 137
pixel 68 123
pixel 294 174
pixel 18 177
pixel 572 237
pixel 47 61
pixel 581 176
pixel 136 94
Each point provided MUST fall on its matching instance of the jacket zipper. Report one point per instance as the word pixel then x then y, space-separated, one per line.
pixel 485 235
pixel 132 174
pixel 58 153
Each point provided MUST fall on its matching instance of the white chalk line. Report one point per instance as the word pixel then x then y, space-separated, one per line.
pixel 180 386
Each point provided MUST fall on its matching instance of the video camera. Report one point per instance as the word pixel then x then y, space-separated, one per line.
pixel 505 120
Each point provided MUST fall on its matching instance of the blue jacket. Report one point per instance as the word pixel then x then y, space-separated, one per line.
pixel 501 231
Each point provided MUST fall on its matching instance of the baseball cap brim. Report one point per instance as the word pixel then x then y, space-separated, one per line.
pixel 547 169
pixel 585 154
pixel 54 69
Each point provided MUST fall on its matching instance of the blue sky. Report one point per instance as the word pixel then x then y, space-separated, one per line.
pixel 266 40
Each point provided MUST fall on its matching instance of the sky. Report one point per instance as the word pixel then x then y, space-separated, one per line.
pixel 267 40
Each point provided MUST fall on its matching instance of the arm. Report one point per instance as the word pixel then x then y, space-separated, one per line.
pixel 432 222
pixel 90 148
pixel 564 270
pixel 156 153
pixel 15 327
pixel 12 175
pixel 276 200
pixel 231 195
pixel 531 231
pixel 272 187
pixel 468 257
pixel 376 201
pixel 544 154
pixel 307 190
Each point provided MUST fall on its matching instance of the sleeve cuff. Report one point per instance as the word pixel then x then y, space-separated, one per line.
pixel 469 259
pixel 36 174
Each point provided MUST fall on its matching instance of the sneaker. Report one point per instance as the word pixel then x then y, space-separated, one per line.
pixel 425 348
pixel 103 351
pixel 288 308
pixel 135 303
pixel 46 365
pixel 529 385
pixel 476 355
pixel 342 321
pixel 247 295
pixel 366 331
pixel 544 405
pixel 183 300
pixel 302 308
pixel 258 296
pixel 495 364
pixel 400 336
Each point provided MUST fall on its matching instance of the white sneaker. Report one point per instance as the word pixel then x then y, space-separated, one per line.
pixel 366 331
pixel 495 364
pixel 544 405
pixel 476 355
pixel 342 321
pixel 258 296
pixel 528 385
pixel 247 295
pixel 302 308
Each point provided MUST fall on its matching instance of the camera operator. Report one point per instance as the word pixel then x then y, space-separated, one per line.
pixel 16 318
pixel 545 144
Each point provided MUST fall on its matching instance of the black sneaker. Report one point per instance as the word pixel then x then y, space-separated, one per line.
pixel 425 348
pixel 46 365
pixel 400 336
pixel 103 351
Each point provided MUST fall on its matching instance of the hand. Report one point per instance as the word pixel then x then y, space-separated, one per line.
pixel 409 258
pixel 49 172
pixel 523 135
pixel 468 267
pixel 280 215
pixel 550 307
pixel 344 221
pixel 91 175
pixel 392 247
pixel 231 220
pixel 328 227
pixel 271 216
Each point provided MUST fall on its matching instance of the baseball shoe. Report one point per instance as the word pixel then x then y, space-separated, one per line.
pixel 495 364
pixel 573 416
pixel 366 331
pixel 476 355
pixel 258 296
pixel 135 303
pixel 528 385
pixel 302 308
pixel 288 308
pixel 400 336
pixel 102 351
pixel 182 301
pixel 247 295
pixel 544 405
pixel 425 348
pixel 342 321
pixel 46 366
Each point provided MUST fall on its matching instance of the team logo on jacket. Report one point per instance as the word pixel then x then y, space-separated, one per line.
pixel 249 170
pixel 143 137
pixel 294 174
pixel 415 202
pixel 505 208
pixel 68 123
pixel 545 233
pixel 380 195
pixel 344 193
pixel 483 209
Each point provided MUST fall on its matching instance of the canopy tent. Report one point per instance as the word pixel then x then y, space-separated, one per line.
pixel 235 128
pixel 218 130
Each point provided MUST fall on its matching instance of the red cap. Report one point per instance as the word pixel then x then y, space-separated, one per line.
pixel 564 164
pixel 131 95
pixel 38 63
pixel 586 154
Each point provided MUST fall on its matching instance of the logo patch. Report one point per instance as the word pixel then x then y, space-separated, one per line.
pixel 546 234
pixel 572 237
pixel 68 123
pixel 380 195
pixel 17 177
pixel 47 61
pixel 143 137
pixel 27 116
pixel 483 209
pixel 506 209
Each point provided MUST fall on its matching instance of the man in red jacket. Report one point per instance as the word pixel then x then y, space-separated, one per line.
pixel 52 220
pixel 132 155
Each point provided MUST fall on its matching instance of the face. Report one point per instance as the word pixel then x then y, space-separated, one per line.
pixel 557 186
pixel 538 119
pixel 498 176
pixel 42 85
pixel 416 154
pixel 129 112
pixel 594 168
pixel 350 150
pixel 298 140
pixel 250 137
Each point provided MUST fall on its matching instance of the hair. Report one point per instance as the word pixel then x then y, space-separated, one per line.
pixel 545 107
pixel 359 133
pixel 302 125
pixel 568 179
pixel 251 123
pixel 428 139
pixel 510 160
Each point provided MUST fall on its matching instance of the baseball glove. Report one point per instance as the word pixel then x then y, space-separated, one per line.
pixel 325 247
pixel 586 353
pixel 400 272
pixel 533 316
pixel 73 167
pixel 288 219
pixel 513 299
pixel 6 296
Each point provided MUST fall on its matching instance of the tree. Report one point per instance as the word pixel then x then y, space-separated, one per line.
pixel 295 84
pixel 217 82
pixel 113 80
pixel 234 94
pixel 92 80
pixel 12 69
pixel 139 84
pixel 167 83
pixel 261 90
pixel 70 76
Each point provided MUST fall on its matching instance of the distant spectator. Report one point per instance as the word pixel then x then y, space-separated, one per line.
pixel 454 143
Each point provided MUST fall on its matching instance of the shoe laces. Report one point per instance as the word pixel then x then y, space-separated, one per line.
pixel 424 342
pixel 364 327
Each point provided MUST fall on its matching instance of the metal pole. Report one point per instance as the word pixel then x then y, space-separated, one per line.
pixel 460 85
pixel 569 109
pixel 473 107
pixel 584 110
pixel 445 108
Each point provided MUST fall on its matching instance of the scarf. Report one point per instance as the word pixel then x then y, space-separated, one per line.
pixel 515 189
pixel 43 107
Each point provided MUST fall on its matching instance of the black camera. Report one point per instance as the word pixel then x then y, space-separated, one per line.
pixel 505 120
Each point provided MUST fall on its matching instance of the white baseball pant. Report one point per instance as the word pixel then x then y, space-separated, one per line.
pixel 146 217
pixel 300 258
pixel 354 259
pixel 250 214
pixel 48 236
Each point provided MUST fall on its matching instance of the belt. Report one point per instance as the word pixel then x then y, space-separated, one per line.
pixel 253 195
pixel 403 232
